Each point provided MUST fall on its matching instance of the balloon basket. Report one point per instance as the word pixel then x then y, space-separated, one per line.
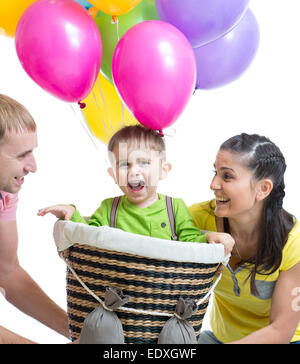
pixel 154 285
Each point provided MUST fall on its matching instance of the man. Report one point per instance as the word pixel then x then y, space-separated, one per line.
pixel 18 139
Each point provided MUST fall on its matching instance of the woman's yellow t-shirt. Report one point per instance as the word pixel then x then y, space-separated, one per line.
pixel 235 312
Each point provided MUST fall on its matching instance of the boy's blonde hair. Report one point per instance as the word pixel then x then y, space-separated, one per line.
pixel 14 116
pixel 143 137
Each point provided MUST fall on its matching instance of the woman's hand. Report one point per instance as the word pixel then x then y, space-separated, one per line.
pixel 221 238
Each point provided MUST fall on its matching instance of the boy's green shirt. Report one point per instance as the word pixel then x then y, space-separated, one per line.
pixel 150 221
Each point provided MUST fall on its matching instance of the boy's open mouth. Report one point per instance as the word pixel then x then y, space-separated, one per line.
pixel 136 186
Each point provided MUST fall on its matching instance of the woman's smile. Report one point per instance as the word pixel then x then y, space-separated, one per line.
pixel 221 201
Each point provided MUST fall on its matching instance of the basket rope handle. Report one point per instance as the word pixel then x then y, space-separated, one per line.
pixel 128 309
pixel 102 302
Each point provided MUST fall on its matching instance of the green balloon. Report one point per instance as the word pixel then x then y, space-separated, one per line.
pixel 146 10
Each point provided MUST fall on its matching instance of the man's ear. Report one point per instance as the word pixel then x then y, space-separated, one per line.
pixel 111 173
pixel 265 187
pixel 166 168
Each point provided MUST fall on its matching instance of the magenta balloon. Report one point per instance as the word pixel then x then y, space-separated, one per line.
pixel 154 71
pixel 59 46
pixel 202 21
pixel 225 59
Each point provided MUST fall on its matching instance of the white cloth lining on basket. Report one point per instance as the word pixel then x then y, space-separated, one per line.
pixel 68 233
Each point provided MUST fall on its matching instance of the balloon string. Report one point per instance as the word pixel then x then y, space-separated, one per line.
pixel 98 107
pixel 122 109
pixel 122 105
pixel 85 126
pixel 115 20
pixel 118 35
pixel 90 133
pixel 104 103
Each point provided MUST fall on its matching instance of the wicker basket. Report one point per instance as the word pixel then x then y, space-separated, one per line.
pixel 153 284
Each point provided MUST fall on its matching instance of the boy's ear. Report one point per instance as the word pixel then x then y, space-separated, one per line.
pixel 166 168
pixel 111 173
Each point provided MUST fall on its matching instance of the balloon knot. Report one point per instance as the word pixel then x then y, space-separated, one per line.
pixel 114 19
pixel 81 104
pixel 160 133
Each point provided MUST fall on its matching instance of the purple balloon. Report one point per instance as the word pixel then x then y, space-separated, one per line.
pixel 202 21
pixel 59 46
pixel 225 59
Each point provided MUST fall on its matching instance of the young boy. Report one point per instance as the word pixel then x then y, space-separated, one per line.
pixel 138 163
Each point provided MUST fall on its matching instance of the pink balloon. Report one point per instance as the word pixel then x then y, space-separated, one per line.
pixel 59 46
pixel 154 70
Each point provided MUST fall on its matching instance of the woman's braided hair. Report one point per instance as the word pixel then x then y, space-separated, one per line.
pixel 265 160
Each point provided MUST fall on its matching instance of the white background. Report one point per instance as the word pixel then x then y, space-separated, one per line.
pixel 265 100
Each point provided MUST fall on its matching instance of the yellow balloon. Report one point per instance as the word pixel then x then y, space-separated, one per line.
pixel 10 13
pixel 115 7
pixel 104 112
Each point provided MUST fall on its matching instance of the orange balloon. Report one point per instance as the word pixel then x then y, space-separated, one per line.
pixel 115 7
pixel 93 11
pixel 10 13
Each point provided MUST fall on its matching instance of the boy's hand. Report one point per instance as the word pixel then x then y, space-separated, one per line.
pixel 60 211
pixel 221 238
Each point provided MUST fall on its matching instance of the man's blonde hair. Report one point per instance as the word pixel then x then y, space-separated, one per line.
pixel 14 117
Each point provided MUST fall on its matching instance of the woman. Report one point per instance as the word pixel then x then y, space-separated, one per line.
pixel 257 299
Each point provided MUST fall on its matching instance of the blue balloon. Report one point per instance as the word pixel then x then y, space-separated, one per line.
pixel 84 3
